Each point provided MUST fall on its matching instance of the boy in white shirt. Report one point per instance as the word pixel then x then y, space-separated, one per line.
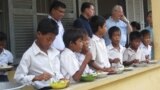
pixel 97 44
pixel 133 54
pixel 70 66
pixel 115 50
pixel 6 56
pixel 145 45
pixel 40 64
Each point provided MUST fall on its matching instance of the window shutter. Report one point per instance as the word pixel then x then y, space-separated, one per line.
pixel 21 26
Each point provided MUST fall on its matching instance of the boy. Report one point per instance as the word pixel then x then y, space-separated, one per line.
pixel 40 63
pixel 97 44
pixel 115 50
pixel 6 56
pixel 145 45
pixel 70 66
pixel 133 54
pixel 85 49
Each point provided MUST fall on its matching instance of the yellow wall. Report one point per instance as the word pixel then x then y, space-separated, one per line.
pixel 156 27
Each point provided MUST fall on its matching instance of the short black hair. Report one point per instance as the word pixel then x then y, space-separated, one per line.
pixel 145 32
pixel 95 22
pixel 56 4
pixel 86 5
pixel 112 30
pixel 149 12
pixel 47 26
pixel 72 35
pixel 134 35
pixel 136 25
pixel 3 36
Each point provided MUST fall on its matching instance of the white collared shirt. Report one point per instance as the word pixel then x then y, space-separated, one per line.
pixel 114 53
pixel 123 27
pixel 99 51
pixel 58 42
pixel 130 54
pixel 146 50
pixel 69 64
pixel 35 62
pixel 6 57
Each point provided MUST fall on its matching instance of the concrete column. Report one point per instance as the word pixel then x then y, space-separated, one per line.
pixel 156 27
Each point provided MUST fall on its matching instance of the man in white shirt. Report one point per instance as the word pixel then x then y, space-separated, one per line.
pixel 40 64
pixel 118 19
pixel 56 13
pixel 6 56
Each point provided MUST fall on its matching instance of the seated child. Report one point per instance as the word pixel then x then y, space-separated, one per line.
pixel 115 50
pixel 40 64
pixel 145 45
pixel 84 51
pixel 6 56
pixel 133 54
pixel 70 66
pixel 97 44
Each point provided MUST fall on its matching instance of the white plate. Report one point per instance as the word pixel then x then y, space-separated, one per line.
pixel 128 68
pixel 140 65
pixel 152 62
pixel 5 67
pixel 101 74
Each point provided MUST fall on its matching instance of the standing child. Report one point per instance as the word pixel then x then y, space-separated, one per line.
pixel 6 56
pixel 133 54
pixel 115 50
pixel 71 68
pixel 145 45
pixel 40 63
pixel 97 44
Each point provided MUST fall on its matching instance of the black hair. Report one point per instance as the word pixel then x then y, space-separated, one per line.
pixel 134 35
pixel 47 26
pixel 145 32
pixel 86 5
pixel 56 4
pixel 95 22
pixel 112 30
pixel 3 36
pixel 72 35
pixel 136 25
pixel 149 12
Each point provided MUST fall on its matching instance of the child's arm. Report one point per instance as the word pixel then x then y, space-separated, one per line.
pixel 116 60
pixel 127 63
pixel 78 74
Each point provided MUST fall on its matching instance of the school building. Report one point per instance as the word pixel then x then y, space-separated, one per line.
pixel 19 18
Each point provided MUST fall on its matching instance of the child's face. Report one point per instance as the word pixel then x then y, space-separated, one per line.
pixel 2 45
pixel 146 40
pixel 85 42
pixel 135 44
pixel 116 37
pixel 77 46
pixel 45 40
pixel 103 29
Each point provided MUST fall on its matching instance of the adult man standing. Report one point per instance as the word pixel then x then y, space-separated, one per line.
pixel 87 11
pixel 56 13
pixel 118 19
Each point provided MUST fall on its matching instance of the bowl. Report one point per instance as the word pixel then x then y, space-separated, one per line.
pixel 87 77
pixel 152 62
pixel 102 74
pixel 128 68
pixel 60 84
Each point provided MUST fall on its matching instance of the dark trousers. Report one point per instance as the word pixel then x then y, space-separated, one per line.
pixel 3 78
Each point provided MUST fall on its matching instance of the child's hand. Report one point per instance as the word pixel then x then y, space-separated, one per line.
pixel 116 60
pixel 135 61
pixel 45 76
pixel 109 69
